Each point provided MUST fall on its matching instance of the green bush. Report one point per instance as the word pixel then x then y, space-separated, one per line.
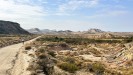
pixel 98 68
pixel 68 67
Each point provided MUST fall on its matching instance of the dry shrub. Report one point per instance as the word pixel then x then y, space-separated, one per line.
pixel 32 55
pixel 41 50
pixel 95 52
pixel 52 53
pixel 112 72
pixel 30 68
pixel 33 67
pixel 70 60
pixel 70 67
pixel 98 68
pixel 42 56
pixel 33 73
pixel 27 47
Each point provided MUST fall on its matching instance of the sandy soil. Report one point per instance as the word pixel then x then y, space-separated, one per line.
pixel 8 55
pixel 20 65
pixel 90 57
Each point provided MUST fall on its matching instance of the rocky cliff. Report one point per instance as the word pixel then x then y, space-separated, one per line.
pixel 7 27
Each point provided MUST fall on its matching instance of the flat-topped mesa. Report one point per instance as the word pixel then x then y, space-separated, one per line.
pixel 8 27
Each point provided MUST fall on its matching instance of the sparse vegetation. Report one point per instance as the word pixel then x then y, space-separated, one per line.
pixel 70 60
pixel 6 40
pixel 78 41
pixel 44 62
pixel 79 54
pixel 98 68
pixel 70 67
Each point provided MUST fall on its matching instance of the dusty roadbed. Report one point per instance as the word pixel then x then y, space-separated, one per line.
pixel 7 55
pixel 9 59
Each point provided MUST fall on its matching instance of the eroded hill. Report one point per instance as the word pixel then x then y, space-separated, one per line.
pixel 7 27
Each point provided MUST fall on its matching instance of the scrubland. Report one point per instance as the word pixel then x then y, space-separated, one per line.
pixel 73 55
pixel 6 40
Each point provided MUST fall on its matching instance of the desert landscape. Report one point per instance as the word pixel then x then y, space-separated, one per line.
pixel 72 55
pixel 66 37
pixel 92 52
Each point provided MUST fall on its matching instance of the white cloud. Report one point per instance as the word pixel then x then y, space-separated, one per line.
pixel 117 1
pixel 117 13
pixel 14 11
pixel 30 13
pixel 30 2
pixel 109 13
pixel 93 3
pixel 72 5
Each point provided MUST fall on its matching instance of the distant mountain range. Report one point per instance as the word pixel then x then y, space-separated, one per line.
pixel 95 31
pixel 91 32
pixel 35 31
pixel 8 27
pixel 47 31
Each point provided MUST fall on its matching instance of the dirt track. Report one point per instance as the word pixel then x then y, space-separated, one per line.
pixel 7 55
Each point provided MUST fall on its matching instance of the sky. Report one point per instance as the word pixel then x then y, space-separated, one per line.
pixel 76 15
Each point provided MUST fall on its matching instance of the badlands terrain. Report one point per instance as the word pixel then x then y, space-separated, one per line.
pixel 51 52
pixel 73 55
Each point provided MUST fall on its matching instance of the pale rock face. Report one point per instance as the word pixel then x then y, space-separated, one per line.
pixel 35 31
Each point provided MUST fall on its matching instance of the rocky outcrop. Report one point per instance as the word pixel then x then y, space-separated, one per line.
pixel 35 31
pixel 7 27
pixel 95 31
